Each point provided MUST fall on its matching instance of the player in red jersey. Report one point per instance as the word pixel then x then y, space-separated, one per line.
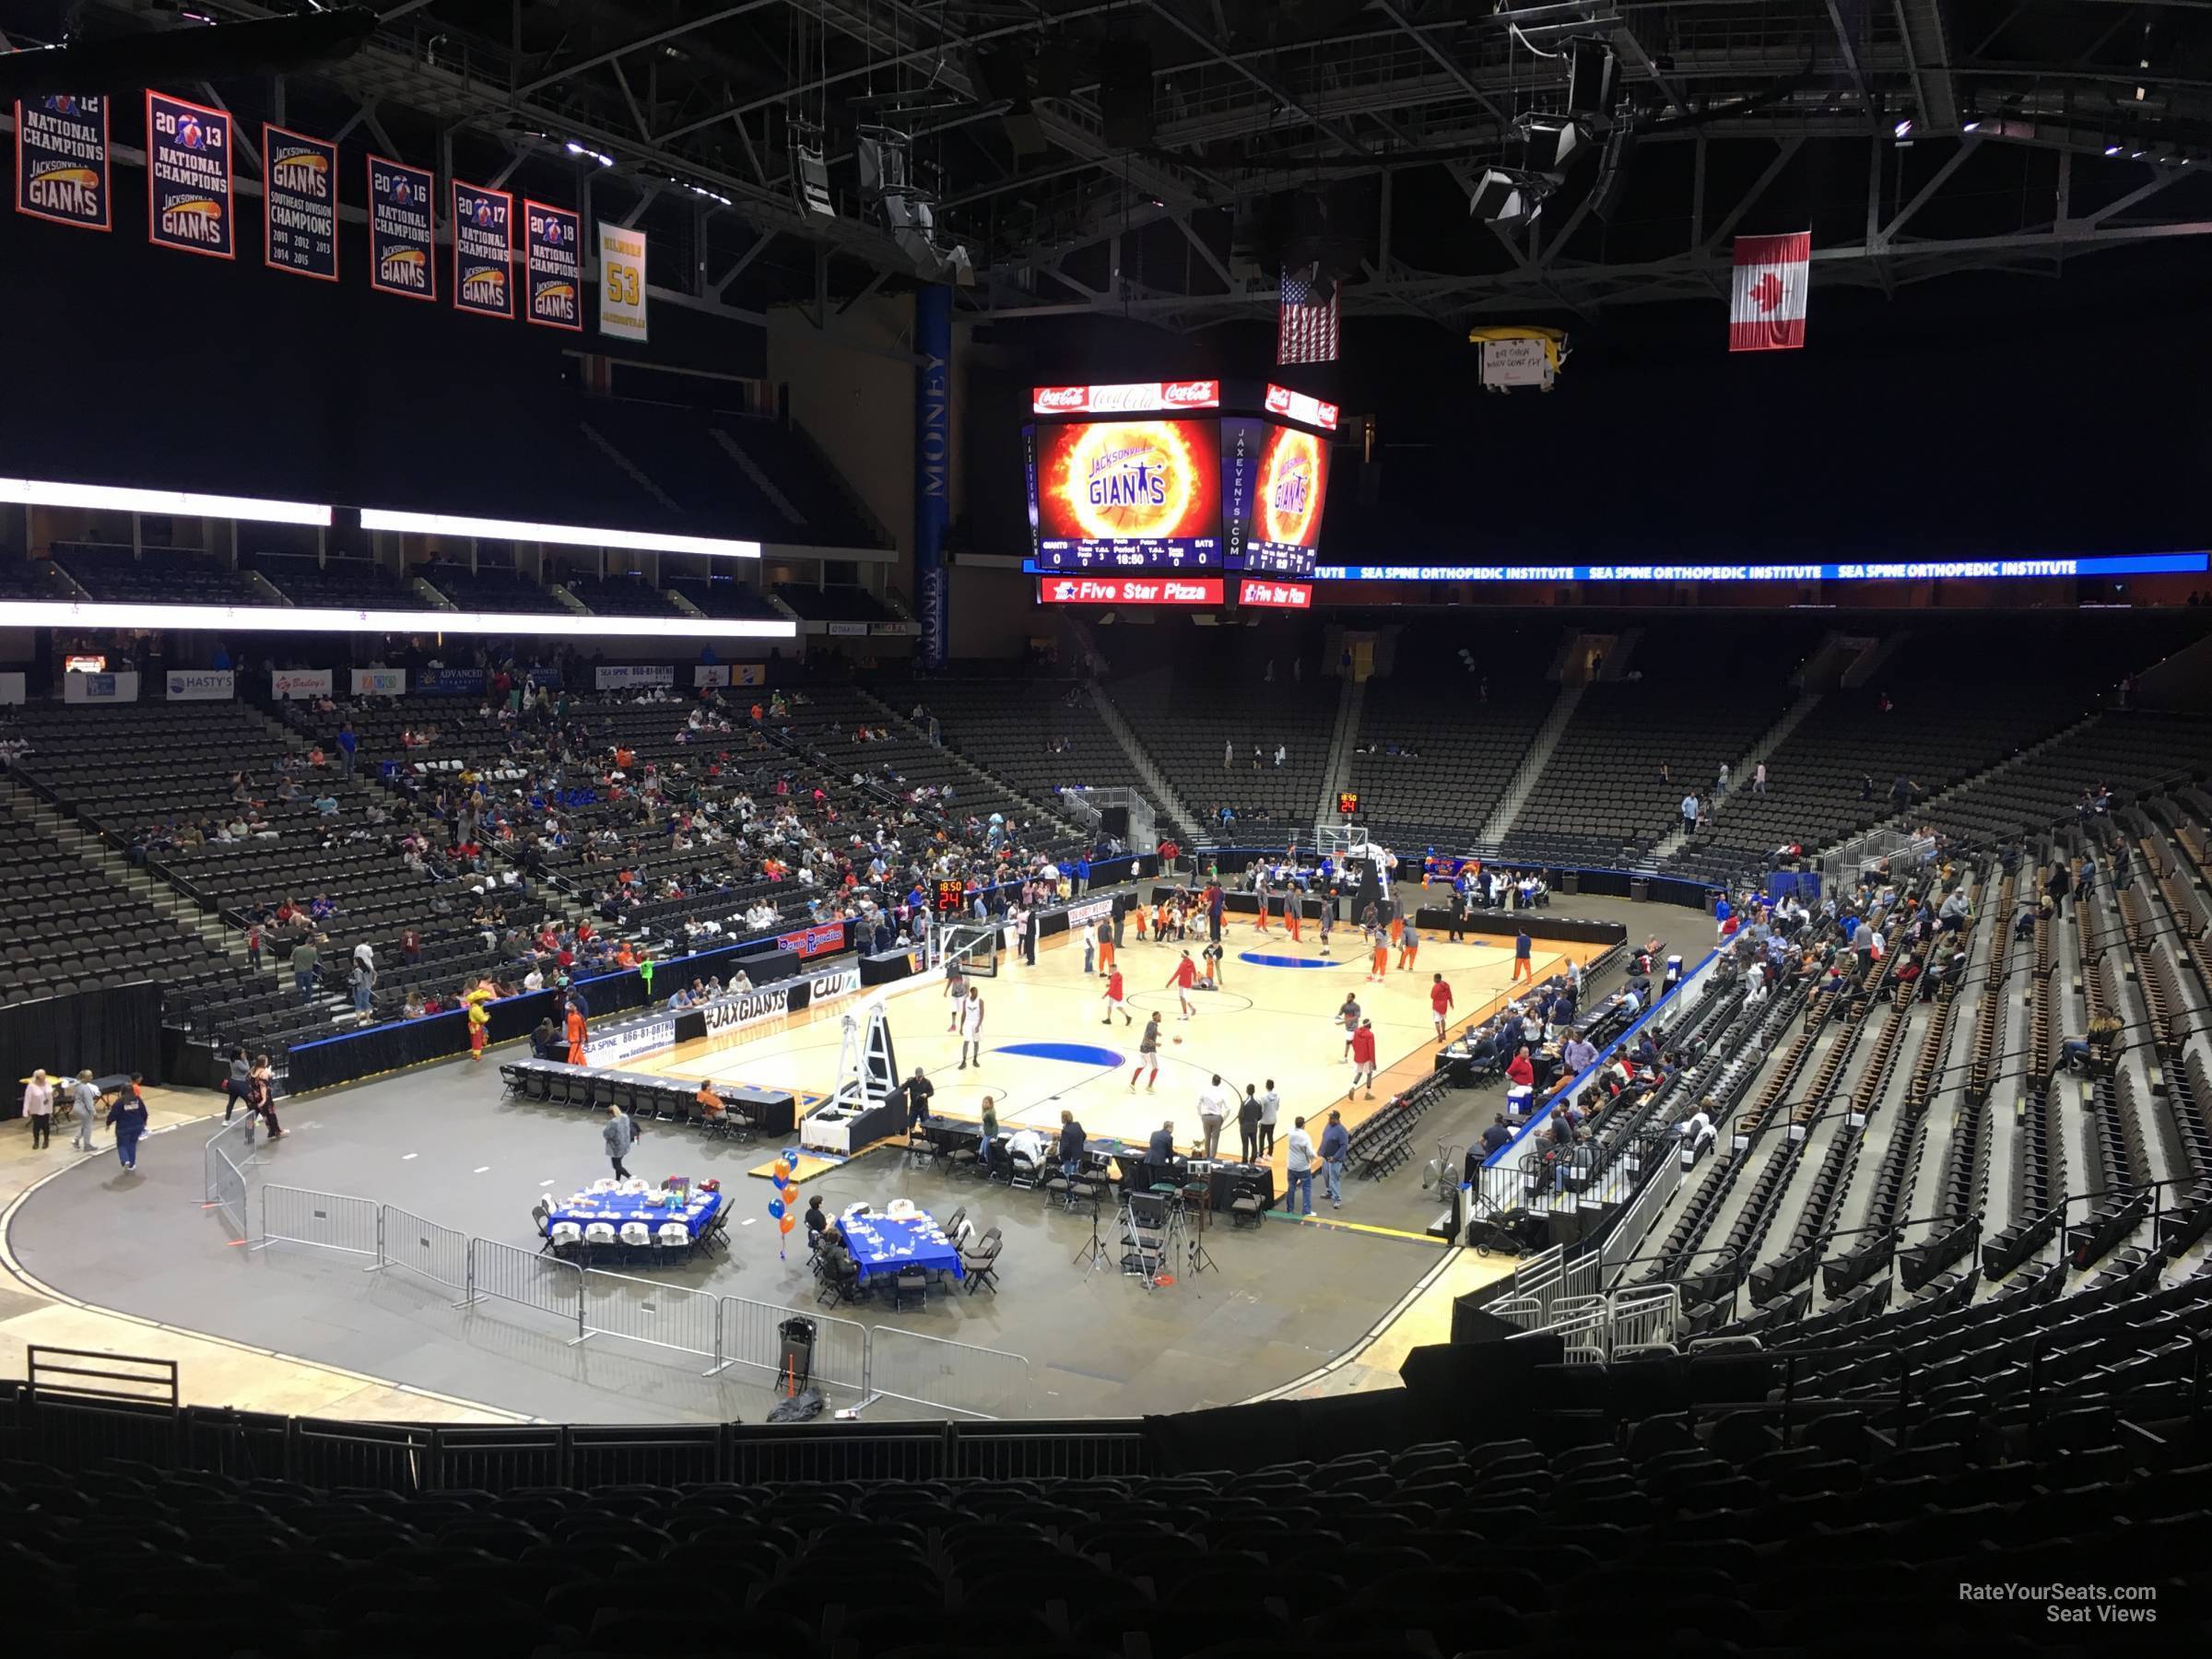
pixel 1183 979
pixel 1363 1059
pixel 1114 998
pixel 1439 1000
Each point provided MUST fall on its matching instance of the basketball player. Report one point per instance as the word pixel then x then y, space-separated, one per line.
pixel 1328 921
pixel 1141 914
pixel 1363 1059
pixel 1148 1055
pixel 956 990
pixel 1293 901
pixel 971 1028
pixel 1439 1000
pixel 1212 954
pixel 1114 999
pixel 1348 1017
pixel 1259 886
pixel 1409 947
pixel 1183 979
pixel 1106 952
pixel 1378 956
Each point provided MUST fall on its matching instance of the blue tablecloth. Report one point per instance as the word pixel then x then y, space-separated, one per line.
pixel 615 1208
pixel 879 1243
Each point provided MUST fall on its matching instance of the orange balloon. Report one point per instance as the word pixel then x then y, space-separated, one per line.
pixel 781 1172
pixel 788 1223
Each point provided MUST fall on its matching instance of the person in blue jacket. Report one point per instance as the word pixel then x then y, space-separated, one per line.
pixel 126 1117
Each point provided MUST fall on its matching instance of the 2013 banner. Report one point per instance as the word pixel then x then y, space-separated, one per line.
pixel 552 266
pixel 62 160
pixel 299 203
pixel 483 250
pixel 400 230
pixel 188 177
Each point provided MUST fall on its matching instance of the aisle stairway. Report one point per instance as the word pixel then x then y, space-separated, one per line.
pixel 1532 765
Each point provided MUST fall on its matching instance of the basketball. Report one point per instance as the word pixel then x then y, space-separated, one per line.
pixel 1179 1041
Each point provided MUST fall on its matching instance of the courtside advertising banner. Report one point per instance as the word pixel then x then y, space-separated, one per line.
pixel 626 677
pixel 622 283
pixel 380 682
pixel 62 160
pixel 188 177
pixel 483 250
pixel 400 230
pixel 292 684
pixel 298 204
pixel 552 266
pixel 201 685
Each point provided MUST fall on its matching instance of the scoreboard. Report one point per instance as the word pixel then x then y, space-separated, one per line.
pixel 1152 479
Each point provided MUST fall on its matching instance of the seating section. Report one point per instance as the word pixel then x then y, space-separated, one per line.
pixel 488 589
pixel 338 583
pixel 1038 737
pixel 1190 714
pixel 723 596
pixel 65 928
pixel 629 596
pixel 158 575
pixel 835 603
pixel 2124 752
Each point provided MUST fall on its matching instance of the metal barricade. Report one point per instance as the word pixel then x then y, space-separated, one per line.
pixel 1583 1324
pixel 227 1192
pixel 326 1220
pixel 1643 1209
pixel 1644 1317
pixel 438 1253
pixel 659 1315
pixel 752 1336
pixel 528 1279
pixel 948 1376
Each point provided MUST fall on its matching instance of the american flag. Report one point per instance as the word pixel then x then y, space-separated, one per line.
pixel 1308 331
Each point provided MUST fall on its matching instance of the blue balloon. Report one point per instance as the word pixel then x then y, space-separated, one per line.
pixel 791 1156
pixel 775 1209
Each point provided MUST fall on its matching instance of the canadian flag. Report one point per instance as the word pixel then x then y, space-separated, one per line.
pixel 1766 307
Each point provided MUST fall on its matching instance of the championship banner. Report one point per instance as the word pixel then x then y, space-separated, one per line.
pixel 552 266
pixel 298 204
pixel 622 283
pixel 400 230
pixel 188 177
pixel 380 682
pixel 62 160
pixel 483 250
pixel 201 685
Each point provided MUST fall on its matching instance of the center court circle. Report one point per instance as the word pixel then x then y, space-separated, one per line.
pixel 1074 1054
pixel 1261 959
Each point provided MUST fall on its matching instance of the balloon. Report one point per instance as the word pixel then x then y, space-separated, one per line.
pixel 791 1156
pixel 775 1209
pixel 781 1172
pixel 788 1222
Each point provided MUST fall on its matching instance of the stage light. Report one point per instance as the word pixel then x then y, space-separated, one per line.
pixel 1902 130
pixel 2112 149
pixel 1972 126
pixel 575 148
pixel 566 535
pixel 175 503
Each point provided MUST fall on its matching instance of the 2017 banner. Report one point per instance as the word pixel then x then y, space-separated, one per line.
pixel 188 177
pixel 553 266
pixel 483 250
pixel 622 283
pixel 400 230
pixel 62 160
pixel 299 203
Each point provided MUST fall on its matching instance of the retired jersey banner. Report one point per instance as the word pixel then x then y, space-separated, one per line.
pixel 552 266
pixel 622 282
pixel 483 250
pixel 188 177
pixel 62 160
pixel 400 230
pixel 299 203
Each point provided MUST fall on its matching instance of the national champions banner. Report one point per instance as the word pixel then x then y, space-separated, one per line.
pixel 62 160
pixel 400 230
pixel 188 192
pixel 483 250
pixel 552 266
pixel 298 204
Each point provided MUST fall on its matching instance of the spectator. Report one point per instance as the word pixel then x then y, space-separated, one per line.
pixel 1298 1167
pixel 1497 1137
pixel 1335 1142
pixel 126 1117
pixel 1689 813
pixel 38 1106
pixel 305 957
pixel 348 743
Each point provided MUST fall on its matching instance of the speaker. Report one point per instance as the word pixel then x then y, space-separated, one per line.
pixel 1498 199
pixel 1590 70
pixel 1553 144
pixel 1115 820
pixel 1126 93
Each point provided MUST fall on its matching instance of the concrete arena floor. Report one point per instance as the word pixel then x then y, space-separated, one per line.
pixel 440 1142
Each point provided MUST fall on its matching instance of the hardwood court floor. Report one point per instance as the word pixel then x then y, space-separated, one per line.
pixel 1044 1048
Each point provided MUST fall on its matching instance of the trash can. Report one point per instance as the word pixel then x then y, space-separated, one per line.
pixel 1571 881
pixel 1639 889
pixel 794 1356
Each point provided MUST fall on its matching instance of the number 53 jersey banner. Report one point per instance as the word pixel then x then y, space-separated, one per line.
pixel 622 282
pixel 188 177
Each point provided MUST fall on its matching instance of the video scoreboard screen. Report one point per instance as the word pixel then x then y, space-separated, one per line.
pixel 1149 479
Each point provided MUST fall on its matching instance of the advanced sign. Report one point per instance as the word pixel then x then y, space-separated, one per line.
pixel 1145 397
pixel 1129 590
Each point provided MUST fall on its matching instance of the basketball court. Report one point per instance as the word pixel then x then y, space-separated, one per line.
pixel 1045 1048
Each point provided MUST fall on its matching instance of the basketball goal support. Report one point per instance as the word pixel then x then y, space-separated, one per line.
pixel 867 1068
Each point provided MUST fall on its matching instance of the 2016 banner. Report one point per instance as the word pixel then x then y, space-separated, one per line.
pixel 552 266
pixel 400 230
pixel 483 250
pixel 62 160
pixel 299 203
pixel 622 283
pixel 188 177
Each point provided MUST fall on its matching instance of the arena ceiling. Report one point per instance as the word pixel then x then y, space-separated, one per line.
pixel 1917 137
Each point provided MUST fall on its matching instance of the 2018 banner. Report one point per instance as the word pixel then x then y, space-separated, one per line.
pixel 299 203
pixel 552 266
pixel 62 160
pixel 188 177
pixel 483 250
pixel 622 283
pixel 400 230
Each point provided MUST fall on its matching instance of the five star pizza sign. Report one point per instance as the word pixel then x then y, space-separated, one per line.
pixel 1765 310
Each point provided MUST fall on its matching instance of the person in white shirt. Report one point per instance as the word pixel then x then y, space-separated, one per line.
pixel 1759 779
pixel 1213 1104
pixel 972 1028
pixel 1271 1104
pixel 1689 814
pixel 1723 788
pixel 1299 1165
pixel 1027 1144
pixel 1696 1130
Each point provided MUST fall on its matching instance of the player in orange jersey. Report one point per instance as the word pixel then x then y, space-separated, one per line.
pixel 1106 946
pixel 1291 920
pixel 1378 956
pixel 1409 947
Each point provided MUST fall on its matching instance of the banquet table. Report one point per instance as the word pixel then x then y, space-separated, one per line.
pixel 881 1244
pixel 615 1208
